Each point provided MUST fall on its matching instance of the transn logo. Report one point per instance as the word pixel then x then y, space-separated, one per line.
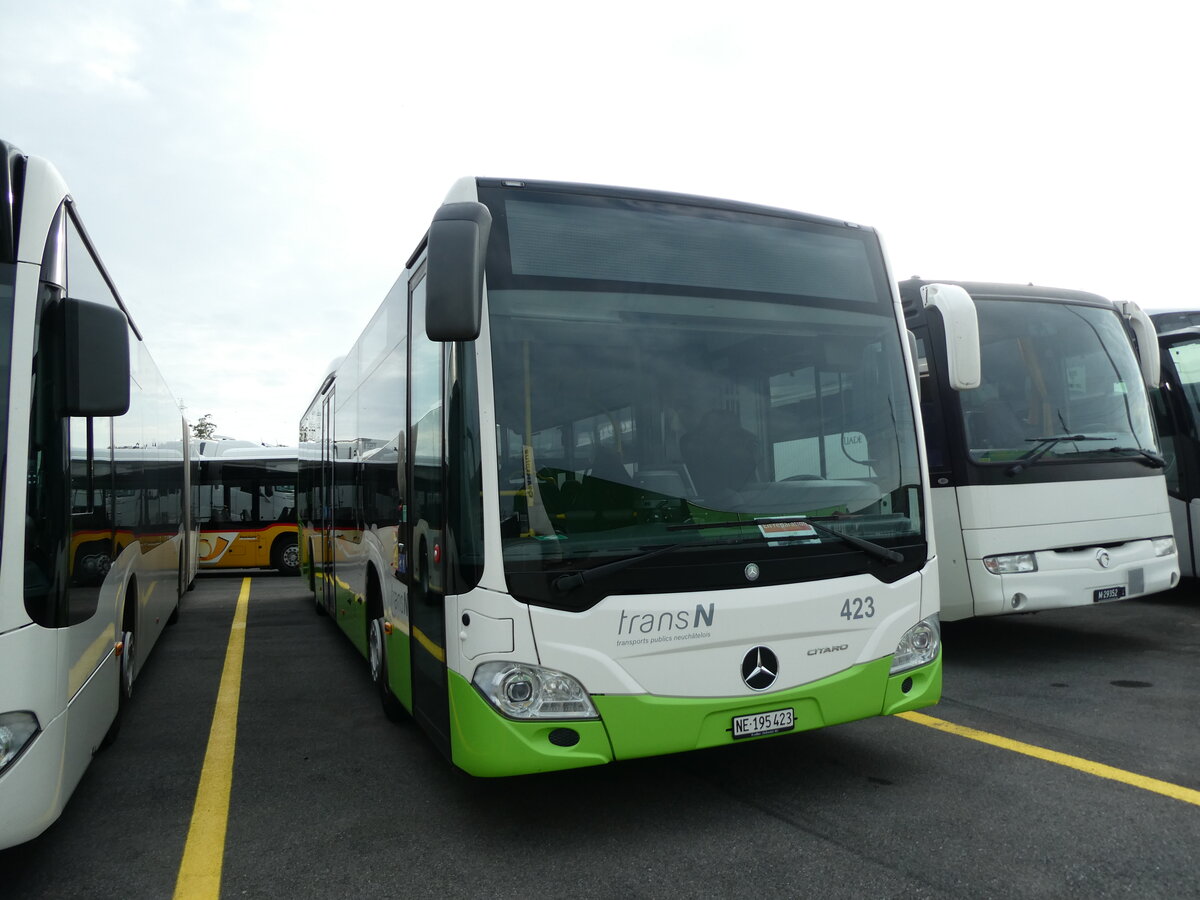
pixel 656 623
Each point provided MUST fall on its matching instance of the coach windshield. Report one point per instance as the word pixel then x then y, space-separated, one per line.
pixel 1060 383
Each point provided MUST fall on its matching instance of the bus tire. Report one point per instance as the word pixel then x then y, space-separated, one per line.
pixel 285 555
pixel 125 663
pixel 377 656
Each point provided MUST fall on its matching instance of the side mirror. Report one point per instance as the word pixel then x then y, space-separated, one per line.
pixel 458 240
pixel 1149 357
pixel 962 332
pixel 97 359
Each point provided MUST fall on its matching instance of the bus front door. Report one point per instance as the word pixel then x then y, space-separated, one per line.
pixel 325 573
pixel 423 528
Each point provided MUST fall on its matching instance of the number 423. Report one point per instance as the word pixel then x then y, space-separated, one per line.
pixel 858 608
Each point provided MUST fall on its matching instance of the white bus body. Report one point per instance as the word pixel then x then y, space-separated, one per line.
pixel 613 473
pixel 1048 489
pixel 97 545
pixel 1177 412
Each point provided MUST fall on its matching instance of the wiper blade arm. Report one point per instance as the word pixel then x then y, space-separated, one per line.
pixel 567 583
pixel 1149 458
pixel 1046 445
pixel 861 543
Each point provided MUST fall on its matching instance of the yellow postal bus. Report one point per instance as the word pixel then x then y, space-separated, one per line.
pixel 247 507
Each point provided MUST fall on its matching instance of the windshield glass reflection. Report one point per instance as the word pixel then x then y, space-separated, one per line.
pixel 620 415
pixel 1052 371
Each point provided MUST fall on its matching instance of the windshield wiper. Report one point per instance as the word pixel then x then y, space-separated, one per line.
pixel 861 543
pixel 1047 444
pixel 1149 458
pixel 567 583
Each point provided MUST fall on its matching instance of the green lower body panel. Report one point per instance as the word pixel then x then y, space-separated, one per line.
pixel 485 743
pixel 649 726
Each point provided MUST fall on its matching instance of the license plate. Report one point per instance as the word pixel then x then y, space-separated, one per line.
pixel 1112 593
pixel 763 723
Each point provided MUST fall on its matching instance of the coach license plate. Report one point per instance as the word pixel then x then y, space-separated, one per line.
pixel 763 723
pixel 1112 593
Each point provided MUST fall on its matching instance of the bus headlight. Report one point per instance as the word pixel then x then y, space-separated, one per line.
pixel 16 731
pixel 523 691
pixel 1010 563
pixel 1164 546
pixel 919 645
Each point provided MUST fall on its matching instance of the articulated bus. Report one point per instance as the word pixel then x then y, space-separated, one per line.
pixel 1177 412
pixel 616 473
pixel 97 544
pixel 246 505
pixel 1048 486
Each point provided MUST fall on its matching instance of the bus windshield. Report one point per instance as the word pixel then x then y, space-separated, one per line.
pixel 1053 371
pixel 659 367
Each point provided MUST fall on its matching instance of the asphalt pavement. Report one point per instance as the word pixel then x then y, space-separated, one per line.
pixel 330 799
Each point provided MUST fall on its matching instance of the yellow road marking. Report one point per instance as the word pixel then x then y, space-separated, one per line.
pixel 1175 791
pixel 203 855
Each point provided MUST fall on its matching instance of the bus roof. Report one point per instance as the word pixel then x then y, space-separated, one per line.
pixel 233 449
pixel 910 293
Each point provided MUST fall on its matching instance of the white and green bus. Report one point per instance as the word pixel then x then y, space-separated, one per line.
pixel 97 543
pixel 616 473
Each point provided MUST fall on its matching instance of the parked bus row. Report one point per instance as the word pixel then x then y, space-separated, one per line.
pixel 609 473
pixel 616 473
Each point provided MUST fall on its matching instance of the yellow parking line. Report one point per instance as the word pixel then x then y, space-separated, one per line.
pixel 203 855
pixel 1175 791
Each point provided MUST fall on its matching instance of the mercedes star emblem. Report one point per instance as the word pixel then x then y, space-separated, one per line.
pixel 759 668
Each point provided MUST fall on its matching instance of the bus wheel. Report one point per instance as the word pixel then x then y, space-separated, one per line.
pixel 377 655
pixel 124 689
pixel 127 663
pixel 285 555
pixel 125 668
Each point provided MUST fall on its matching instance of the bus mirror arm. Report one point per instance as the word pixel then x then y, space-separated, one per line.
pixel 1147 341
pixel 96 350
pixel 961 326
pixel 458 238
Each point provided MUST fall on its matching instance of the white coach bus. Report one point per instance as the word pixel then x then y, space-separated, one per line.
pixel 1048 486
pixel 96 547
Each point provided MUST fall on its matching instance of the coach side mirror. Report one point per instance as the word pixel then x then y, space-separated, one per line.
pixel 1146 338
pixel 961 326
pixel 458 240
pixel 97 359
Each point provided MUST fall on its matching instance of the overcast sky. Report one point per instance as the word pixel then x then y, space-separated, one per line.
pixel 256 172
